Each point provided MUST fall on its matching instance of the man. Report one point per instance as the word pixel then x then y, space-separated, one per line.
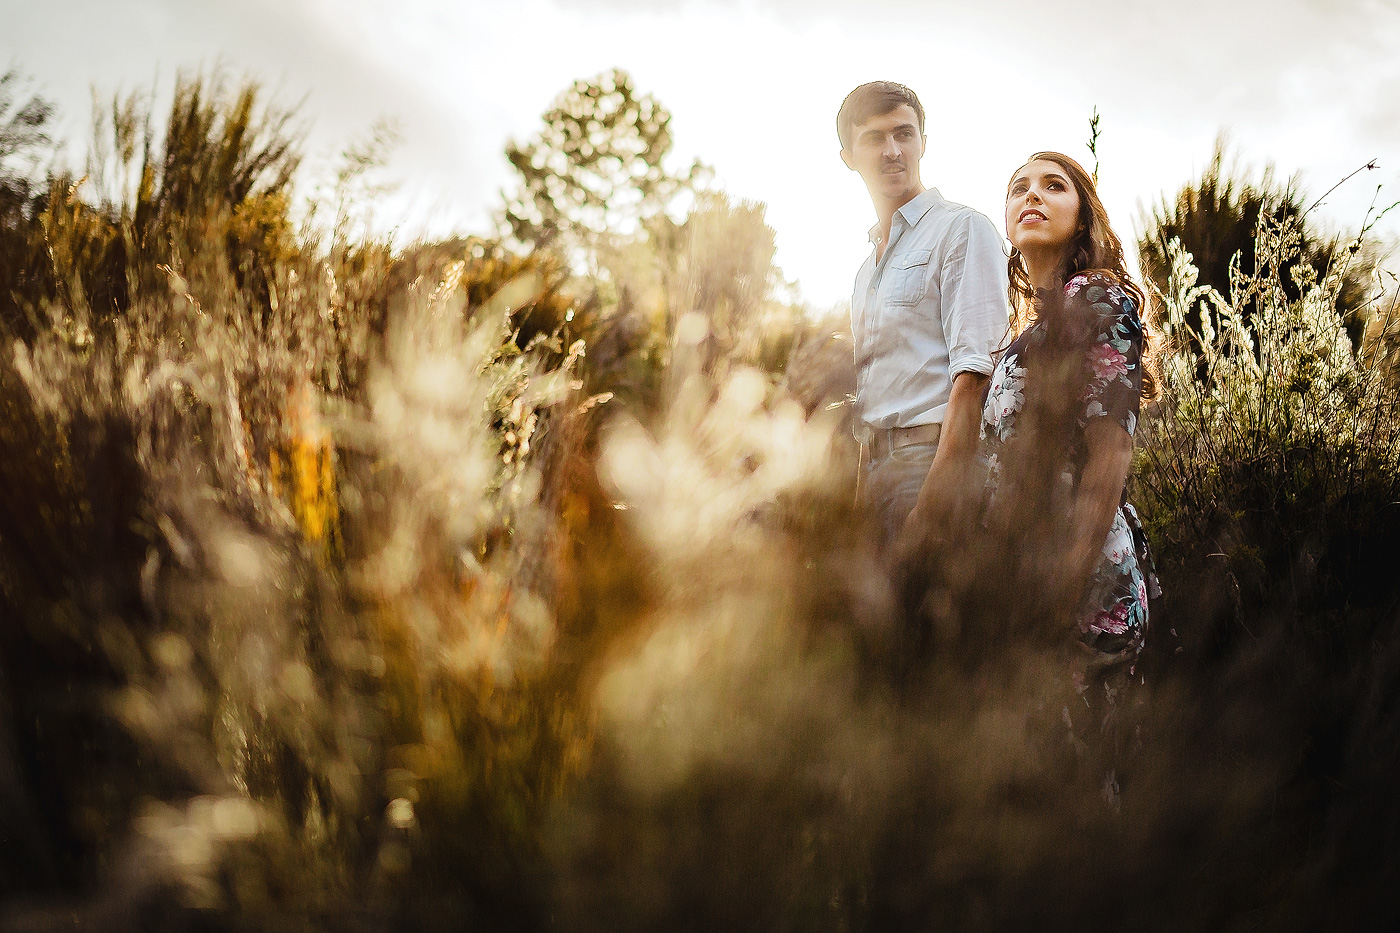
pixel 928 310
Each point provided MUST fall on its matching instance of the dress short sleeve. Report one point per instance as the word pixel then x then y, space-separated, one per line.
pixel 1115 355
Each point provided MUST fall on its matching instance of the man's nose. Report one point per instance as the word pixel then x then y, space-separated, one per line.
pixel 891 150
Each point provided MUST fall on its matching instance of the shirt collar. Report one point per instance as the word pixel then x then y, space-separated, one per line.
pixel 912 212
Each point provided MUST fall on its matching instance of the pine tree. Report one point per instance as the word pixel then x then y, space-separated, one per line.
pixel 24 141
pixel 596 169
pixel 23 118
pixel 1216 217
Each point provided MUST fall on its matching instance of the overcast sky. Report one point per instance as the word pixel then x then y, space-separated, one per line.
pixel 1312 86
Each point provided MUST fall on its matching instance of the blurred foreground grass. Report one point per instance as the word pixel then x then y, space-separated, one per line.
pixel 355 587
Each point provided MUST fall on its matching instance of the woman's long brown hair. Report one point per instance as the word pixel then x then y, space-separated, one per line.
pixel 1095 247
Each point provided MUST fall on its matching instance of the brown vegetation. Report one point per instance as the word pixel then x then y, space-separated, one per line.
pixel 355 587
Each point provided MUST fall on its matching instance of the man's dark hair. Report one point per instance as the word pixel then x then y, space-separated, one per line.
pixel 873 100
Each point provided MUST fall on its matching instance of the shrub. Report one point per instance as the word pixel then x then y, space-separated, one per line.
pixel 1275 449
pixel 1268 482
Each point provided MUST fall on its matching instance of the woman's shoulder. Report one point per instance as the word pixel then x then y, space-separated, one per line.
pixel 1105 279
pixel 1106 291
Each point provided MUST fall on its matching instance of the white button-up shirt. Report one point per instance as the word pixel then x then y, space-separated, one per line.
pixel 933 306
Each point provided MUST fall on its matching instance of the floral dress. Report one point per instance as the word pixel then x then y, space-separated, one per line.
pixel 1113 618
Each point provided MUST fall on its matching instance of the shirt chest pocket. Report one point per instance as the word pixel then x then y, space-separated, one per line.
pixel 906 279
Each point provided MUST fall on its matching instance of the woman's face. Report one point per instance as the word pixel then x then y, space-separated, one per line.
pixel 1042 208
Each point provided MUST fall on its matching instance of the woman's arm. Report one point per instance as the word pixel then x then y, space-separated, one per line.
pixel 1109 417
pixel 1110 456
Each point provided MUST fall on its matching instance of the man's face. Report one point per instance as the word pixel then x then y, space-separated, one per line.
pixel 885 150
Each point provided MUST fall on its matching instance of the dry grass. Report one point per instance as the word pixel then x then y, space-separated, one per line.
pixel 347 588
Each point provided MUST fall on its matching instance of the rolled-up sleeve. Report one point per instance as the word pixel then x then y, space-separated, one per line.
pixel 973 287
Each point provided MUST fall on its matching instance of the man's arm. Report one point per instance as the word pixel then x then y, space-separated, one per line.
pixel 946 488
pixel 973 288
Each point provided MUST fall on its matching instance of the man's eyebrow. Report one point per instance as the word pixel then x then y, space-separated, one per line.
pixel 902 126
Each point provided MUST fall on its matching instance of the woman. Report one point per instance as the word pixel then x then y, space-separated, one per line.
pixel 1062 406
